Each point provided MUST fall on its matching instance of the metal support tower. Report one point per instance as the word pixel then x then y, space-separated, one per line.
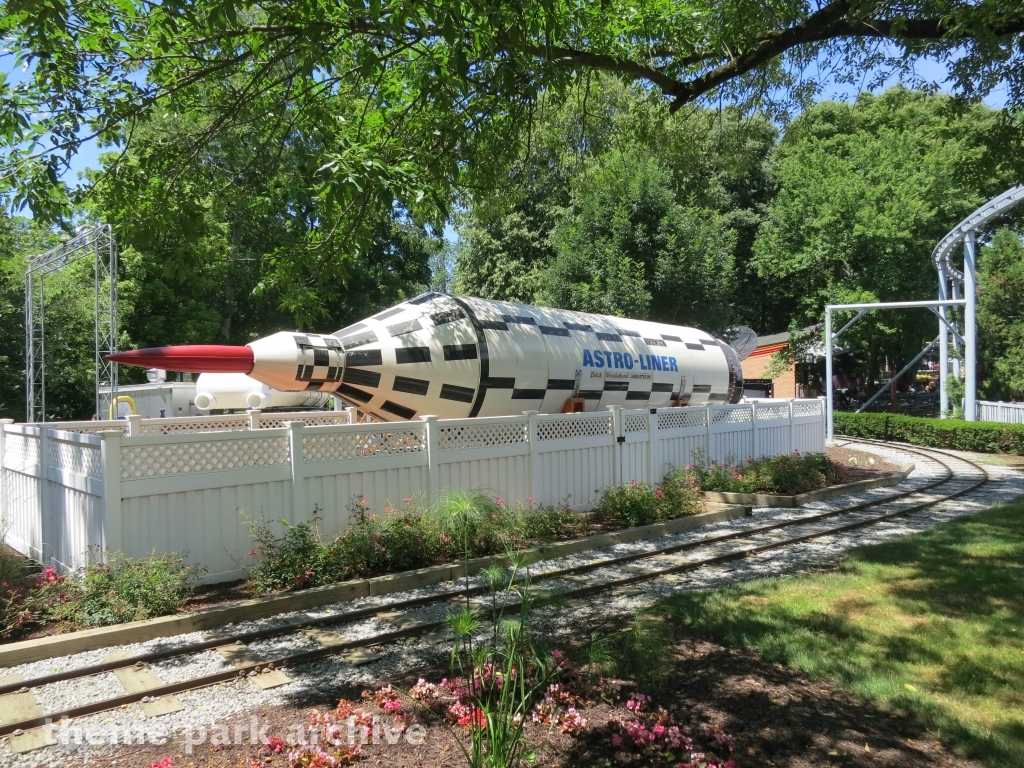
pixel 97 242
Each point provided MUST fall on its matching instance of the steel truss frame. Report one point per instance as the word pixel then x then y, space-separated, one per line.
pixel 99 243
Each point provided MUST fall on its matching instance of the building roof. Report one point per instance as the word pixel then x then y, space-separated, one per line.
pixel 781 338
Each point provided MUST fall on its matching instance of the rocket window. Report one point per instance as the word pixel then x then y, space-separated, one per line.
pixel 409 326
pixel 500 383
pixel 548 330
pixel 699 347
pixel 355 394
pixel 440 318
pixel 562 384
pixel 494 325
pixel 671 338
pixel 638 395
pixel 609 337
pixel 388 313
pixel 364 357
pixel 460 394
pixel 709 342
pixel 528 394
pixel 459 352
pixel 423 298
pixel 660 387
pixel 366 378
pixel 411 355
pixel 628 333
pixel 369 337
pixel 410 385
pixel 520 320
pixel 398 410
pixel 320 357
pixel 578 327
pixel 616 386
pixel 701 388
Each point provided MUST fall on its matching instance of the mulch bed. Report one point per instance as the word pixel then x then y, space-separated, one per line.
pixel 862 469
pixel 776 716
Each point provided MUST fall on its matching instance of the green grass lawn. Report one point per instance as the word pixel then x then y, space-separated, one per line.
pixel 931 624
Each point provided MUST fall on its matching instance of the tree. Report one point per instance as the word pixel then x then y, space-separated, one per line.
pixel 712 167
pixel 865 191
pixel 429 94
pixel 625 247
pixel 1001 317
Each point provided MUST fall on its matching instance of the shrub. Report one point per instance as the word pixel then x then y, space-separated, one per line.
pixel 636 503
pixel 979 436
pixel 122 589
pixel 788 474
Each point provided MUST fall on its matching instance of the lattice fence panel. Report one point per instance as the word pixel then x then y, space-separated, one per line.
pixel 95 430
pixel 318 420
pixel 807 409
pixel 354 445
pixel 635 422
pixel 208 456
pixel 683 419
pixel 769 412
pixel 732 416
pixel 21 449
pixel 483 436
pixel 214 425
pixel 75 457
pixel 571 428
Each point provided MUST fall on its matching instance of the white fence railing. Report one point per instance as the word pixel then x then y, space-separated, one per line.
pixel 1004 413
pixel 68 492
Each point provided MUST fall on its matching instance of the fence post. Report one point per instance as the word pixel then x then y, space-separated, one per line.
pixel 254 419
pixel 707 435
pixel 4 482
pixel 618 437
pixel 46 511
pixel 825 415
pixel 110 453
pixel 299 505
pixel 792 438
pixel 753 430
pixel 135 425
pixel 653 454
pixel 531 436
pixel 351 412
pixel 433 479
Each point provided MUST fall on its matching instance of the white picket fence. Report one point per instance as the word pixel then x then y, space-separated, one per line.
pixel 1004 413
pixel 67 495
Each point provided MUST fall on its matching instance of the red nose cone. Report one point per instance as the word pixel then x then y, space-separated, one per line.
pixel 197 358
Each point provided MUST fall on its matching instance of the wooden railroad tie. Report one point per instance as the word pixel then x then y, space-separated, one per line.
pixel 137 679
pixel 22 705
pixel 240 655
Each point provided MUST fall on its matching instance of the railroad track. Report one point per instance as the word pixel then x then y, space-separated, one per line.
pixel 402 613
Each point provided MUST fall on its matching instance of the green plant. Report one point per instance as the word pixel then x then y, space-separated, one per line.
pixel 121 589
pixel 789 474
pixel 637 503
pixel 979 436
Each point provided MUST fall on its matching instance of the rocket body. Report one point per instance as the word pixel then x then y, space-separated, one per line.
pixel 456 357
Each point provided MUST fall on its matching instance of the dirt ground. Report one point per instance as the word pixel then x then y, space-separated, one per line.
pixel 860 464
pixel 776 717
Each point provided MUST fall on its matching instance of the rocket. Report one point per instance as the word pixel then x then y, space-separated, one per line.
pixel 457 356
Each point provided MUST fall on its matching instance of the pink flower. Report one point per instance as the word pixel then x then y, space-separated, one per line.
pixel 616 740
pixel 252 553
pixel 557 654
pixel 501 501
pixel 389 509
pixel 407 499
pixel 530 499
pixel 362 501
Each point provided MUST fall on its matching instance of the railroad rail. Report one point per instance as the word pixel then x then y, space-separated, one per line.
pixel 409 626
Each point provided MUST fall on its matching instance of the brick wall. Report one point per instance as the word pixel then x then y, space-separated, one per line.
pixel 754 368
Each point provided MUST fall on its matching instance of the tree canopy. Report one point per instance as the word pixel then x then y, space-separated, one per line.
pixel 405 102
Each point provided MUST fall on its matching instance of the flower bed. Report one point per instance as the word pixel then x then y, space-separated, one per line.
pixel 460 524
pixel 789 474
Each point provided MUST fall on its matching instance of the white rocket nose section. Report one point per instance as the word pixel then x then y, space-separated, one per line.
pixel 205 401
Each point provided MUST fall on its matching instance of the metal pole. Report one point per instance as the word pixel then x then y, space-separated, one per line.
pixel 943 343
pixel 956 344
pixel 829 433
pixel 905 368
pixel 970 356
